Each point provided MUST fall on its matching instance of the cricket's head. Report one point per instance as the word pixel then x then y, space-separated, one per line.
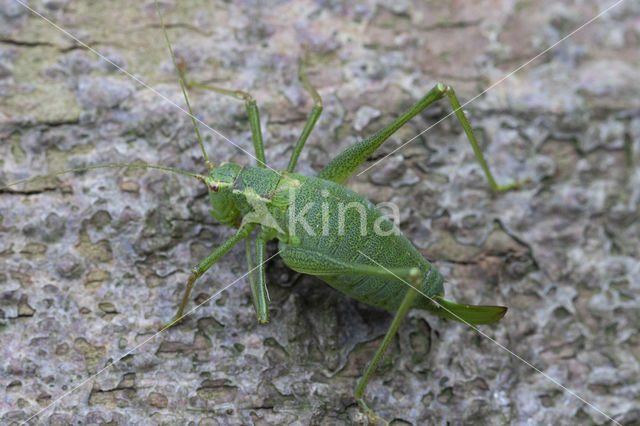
pixel 220 184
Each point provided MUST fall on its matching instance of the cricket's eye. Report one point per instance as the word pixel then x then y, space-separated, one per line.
pixel 213 186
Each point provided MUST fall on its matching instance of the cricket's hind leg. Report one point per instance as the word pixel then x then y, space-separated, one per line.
pixel 309 262
pixel 345 164
pixel 453 99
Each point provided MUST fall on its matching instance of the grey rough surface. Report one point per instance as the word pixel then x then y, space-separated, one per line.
pixel 88 261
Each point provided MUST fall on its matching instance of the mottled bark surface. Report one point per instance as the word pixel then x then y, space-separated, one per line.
pixel 89 261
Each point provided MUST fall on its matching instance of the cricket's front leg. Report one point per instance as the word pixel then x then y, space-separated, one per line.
pixel 313 117
pixel 250 105
pixel 205 264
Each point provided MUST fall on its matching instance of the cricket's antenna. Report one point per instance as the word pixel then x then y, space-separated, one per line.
pixel 106 166
pixel 182 86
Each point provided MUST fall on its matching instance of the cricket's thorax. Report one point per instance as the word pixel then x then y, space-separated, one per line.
pixel 254 195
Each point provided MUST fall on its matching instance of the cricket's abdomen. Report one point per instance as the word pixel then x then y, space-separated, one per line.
pixel 349 228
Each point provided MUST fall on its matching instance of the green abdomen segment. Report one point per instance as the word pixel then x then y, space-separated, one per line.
pixel 349 228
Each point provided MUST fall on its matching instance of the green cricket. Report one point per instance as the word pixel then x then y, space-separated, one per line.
pixel 382 269
pixel 386 271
